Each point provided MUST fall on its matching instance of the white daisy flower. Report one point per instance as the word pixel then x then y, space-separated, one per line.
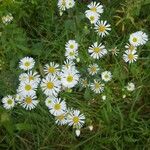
pixel 27 88
pixel 76 119
pixel 97 50
pixel 52 68
pixel 135 39
pixel 68 64
pixel 62 5
pixel 71 54
pixel 95 7
pixel 130 87
pixel 50 85
pixel 23 77
pixel 7 19
pixel 70 4
pixel 18 98
pixel 49 100
pixel 29 101
pixel 34 76
pixel 114 51
pixel 102 28
pixel 106 76
pixel 144 37
pixel 84 82
pixel 8 102
pixel 92 16
pixel 71 45
pixel 69 78
pixel 57 107
pixel 97 86
pixel 130 47
pixel 93 69
pixel 30 76
pixel 130 56
pixel 61 119
pixel 26 63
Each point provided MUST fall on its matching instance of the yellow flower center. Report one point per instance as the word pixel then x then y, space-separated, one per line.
pixel 9 101
pixel 96 49
pixel 70 78
pixel 106 76
pixel 61 117
pixel 71 46
pixel 93 69
pixel 101 28
pixel 71 53
pixel 134 39
pixel 93 9
pixel 27 64
pixel 28 100
pixel 131 47
pixel 51 70
pixel 97 85
pixel 64 3
pixel 28 87
pixel 92 18
pixel 75 119
pixel 130 56
pixel 50 85
pixel 57 106
pixel 31 78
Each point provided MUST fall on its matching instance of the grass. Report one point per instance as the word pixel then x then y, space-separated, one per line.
pixel 40 32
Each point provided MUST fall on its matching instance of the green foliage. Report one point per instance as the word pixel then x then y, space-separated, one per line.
pixel 38 31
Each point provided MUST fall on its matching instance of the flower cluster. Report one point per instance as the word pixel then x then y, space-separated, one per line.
pixel 136 39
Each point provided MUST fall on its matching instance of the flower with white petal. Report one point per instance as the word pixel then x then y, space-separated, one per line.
pixel 50 85
pixel 92 16
pixel 18 98
pixel 49 100
pixel 97 50
pixel 51 69
pixel 130 87
pixel 61 119
pixel 62 5
pixel 114 51
pixel 29 101
pixel 95 7
pixel 130 56
pixel 106 76
pixel 8 102
pixel 30 76
pixel 102 28
pixel 76 119
pixel 27 88
pixel 71 54
pixel 93 69
pixel 68 64
pixel 103 97
pixel 144 37
pixel 7 19
pixel 97 86
pixel 84 82
pixel 71 45
pixel 69 78
pixel 135 39
pixel 26 63
pixel 57 107
pixel 130 47
pixel 70 4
